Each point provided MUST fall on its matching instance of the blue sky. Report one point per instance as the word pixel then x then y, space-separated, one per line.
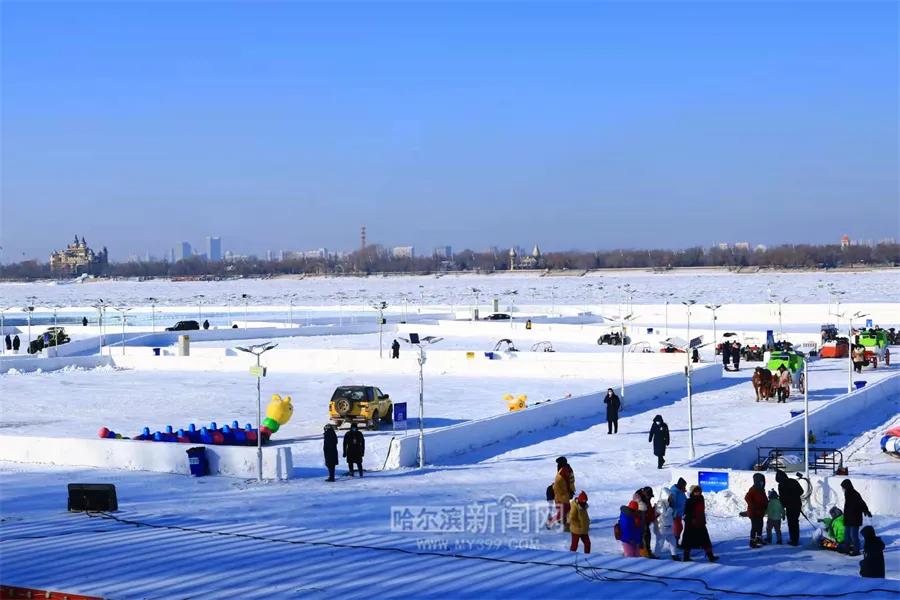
pixel 575 125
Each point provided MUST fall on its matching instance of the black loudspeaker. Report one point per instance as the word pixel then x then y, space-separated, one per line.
pixel 94 497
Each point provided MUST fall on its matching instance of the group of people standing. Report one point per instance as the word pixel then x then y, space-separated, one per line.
pixel 731 355
pixel 354 449
pixel 677 519
pixel 13 344
pixel 566 508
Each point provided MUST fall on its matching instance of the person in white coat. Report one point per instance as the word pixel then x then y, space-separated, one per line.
pixel 665 516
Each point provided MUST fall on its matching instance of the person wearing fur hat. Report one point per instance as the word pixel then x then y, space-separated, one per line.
pixel 774 516
pixel 695 533
pixel 872 564
pixel 579 522
pixel 854 509
pixel 757 503
pixel 679 497
pixel 665 537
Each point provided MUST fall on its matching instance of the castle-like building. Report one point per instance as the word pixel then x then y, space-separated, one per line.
pixel 78 258
pixel 535 261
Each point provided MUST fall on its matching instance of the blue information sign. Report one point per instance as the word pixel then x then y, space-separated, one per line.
pixel 400 415
pixel 713 481
pixel 868 323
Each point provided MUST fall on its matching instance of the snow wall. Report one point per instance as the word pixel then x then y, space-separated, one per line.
pixel 866 408
pixel 27 364
pixel 604 365
pixel 136 455
pixel 447 442
pixel 880 493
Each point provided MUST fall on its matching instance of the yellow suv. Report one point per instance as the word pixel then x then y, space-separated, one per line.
pixel 360 404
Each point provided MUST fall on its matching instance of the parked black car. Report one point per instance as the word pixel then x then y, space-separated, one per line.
pixel 184 326
pixel 497 317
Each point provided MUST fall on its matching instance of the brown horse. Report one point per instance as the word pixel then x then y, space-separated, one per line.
pixel 763 384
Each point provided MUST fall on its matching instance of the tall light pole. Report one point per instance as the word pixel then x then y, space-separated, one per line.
pixel 153 302
pixel 28 310
pixel 857 315
pixel 3 324
pixel 100 306
pixel 687 372
pixel 291 310
pixel 512 304
pixel 258 350
pixel 380 306
pixel 714 308
pixel 122 310
pixel 421 297
pixel 806 416
pixel 199 298
pixel 620 322
pixel 420 344
pixel 779 303
pixel 56 308
pixel 246 299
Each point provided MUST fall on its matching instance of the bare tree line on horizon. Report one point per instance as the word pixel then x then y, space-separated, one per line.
pixel 376 259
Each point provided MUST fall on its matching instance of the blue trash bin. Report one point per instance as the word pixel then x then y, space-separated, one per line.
pixel 156 352
pixel 198 461
pixel 859 384
pixel 796 413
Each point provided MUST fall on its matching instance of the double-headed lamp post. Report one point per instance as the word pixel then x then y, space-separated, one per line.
pixel 258 350
pixel 714 308
pixel 29 309
pixel 687 373
pixel 620 323
pixel 857 315
pixel 101 307
pixel 200 298
pixel 420 344
pixel 3 324
pixel 380 306
pixel 122 310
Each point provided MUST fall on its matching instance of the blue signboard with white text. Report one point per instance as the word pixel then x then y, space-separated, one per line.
pixel 400 415
pixel 713 481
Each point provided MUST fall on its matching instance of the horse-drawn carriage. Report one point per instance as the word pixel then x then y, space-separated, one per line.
pixel 875 345
pixel 793 362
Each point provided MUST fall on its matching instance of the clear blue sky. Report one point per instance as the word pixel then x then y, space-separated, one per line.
pixel 576 125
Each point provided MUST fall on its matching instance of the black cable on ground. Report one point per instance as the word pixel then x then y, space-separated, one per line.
pixel 594 572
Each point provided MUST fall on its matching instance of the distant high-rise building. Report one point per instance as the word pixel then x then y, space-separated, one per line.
pixel 186 251
pixel 845 241
pixel 742 246
pixel 723 245
pixel 443 252
pixel 214 249
pixel 269 256
pixel 403 252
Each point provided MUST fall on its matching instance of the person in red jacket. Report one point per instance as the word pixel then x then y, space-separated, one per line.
pixel 695 533
pixel 757 503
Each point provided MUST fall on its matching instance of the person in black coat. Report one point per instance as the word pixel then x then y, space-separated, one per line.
pixel 613 404
pixel 872 564
pixel 329 447
pixel 854 509
pixel 395 349
pixel 726 355
pixel 736 356
pixel 659 435
pixel 8 342
pixel 791 494
pixel 16 343
pixel 84 321
pixel 206 324
pixel 354 448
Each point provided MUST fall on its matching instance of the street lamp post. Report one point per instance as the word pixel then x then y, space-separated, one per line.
pixel 857 315
pixel 258 350
pixel 620 322
pixel 55 332
pixel 687 373
pixel 512 305
pixel 380 306
pixel 100 306
pixel 199 298
pixel 3 325
pixel 291 310
pixel 123 310
pixel 28 309
pixel 153 302
pixel 713 308
pixel 806 416
pixel 246 299
pixel 420 344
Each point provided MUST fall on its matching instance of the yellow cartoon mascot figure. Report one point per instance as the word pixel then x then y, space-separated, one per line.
pixel 278 412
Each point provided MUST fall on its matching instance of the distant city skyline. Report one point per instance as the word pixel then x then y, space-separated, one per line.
pixel 574 125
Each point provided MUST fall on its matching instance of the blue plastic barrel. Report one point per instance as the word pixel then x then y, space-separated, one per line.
pixel 859 384
pixel 796 413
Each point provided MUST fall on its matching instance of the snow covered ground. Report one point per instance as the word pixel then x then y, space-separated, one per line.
pixel 710 285
pixel 490 481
